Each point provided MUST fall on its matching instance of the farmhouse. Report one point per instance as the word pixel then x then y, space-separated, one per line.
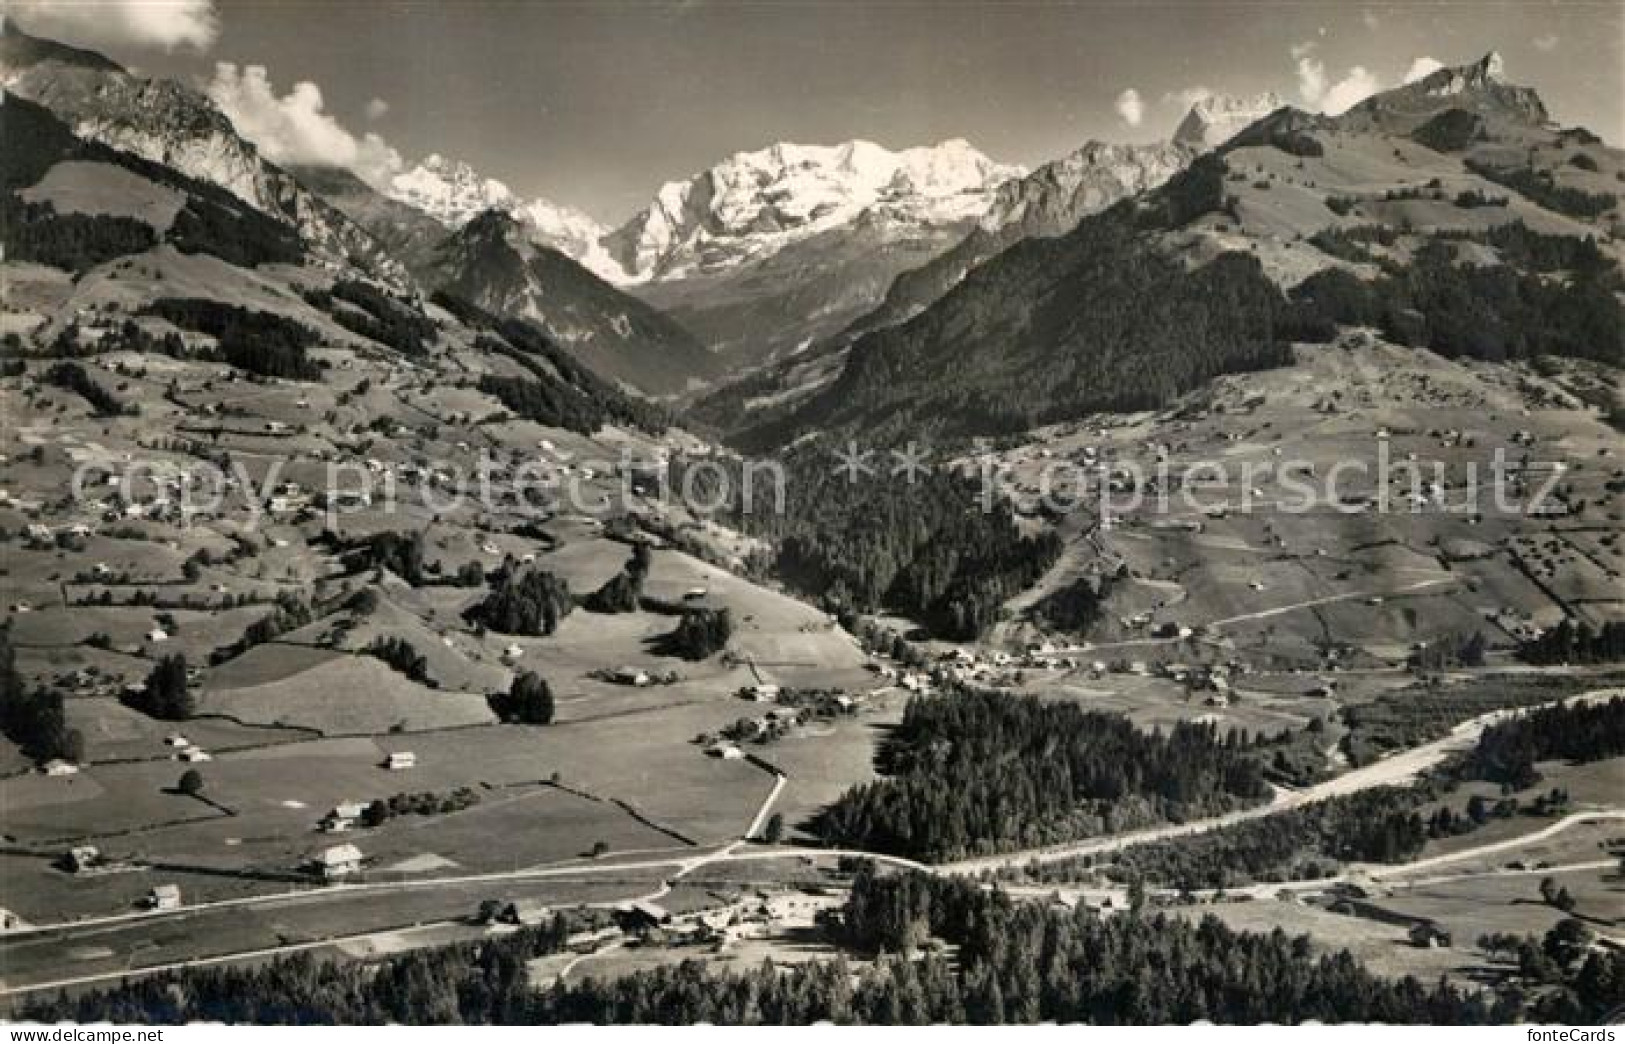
pixel 58 767
pixel 81 858
pixel 641 915
pixel 630 676
pixel 342 817
pixel 1429 936
pixel 725 751
pixel 339 861
pixel 165 897
pixel 401 759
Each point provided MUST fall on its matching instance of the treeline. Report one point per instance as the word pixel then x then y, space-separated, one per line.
pixel 424 803
pixel 530 602
pixel 700 633
pixel 1450 131
pixel 1569 642
pixel 236 234
pixel 376 316
pixel 528 701
pixel 1523 247
pixel 212 221
pixel 563 393
pixel 257 342
pixel 927 548
pixel 128 336
pixel 1099 319
pixel 622 592
pixel 74 378
pixel 291 613
pixel 401 657
pixel 483 982
pixel 1582 732
pixel 33 718
pixel 1492 312
pixel 1380 825
pixel 546 402
pixel 75 242
pixel 987 772
pixel 1017 963
pixel 1419 713
pixel 400 553
pixel 1540 187
pixel 1077 607
pixel 167 694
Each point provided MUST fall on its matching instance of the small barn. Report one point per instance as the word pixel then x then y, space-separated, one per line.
pixel 338 862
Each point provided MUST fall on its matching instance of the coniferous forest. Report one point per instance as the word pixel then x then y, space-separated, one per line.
pixel 1013 963
pixel 981 773
pixel 920 545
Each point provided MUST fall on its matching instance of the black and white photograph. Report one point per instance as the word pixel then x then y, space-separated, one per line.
pixel 811 513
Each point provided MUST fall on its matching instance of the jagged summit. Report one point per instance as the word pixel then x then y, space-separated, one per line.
pixel 753 204
pixel 1480 88
pixel 1216 119
pixel 454 193
pixel 448 190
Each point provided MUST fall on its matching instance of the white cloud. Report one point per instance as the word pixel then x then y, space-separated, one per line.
pixel 1311 77
pixel 1422 67
pixel 131 23
pixel 1547 42
pixel 1355 86
pixel 296 128
pixel 1130 108
pixel 377 109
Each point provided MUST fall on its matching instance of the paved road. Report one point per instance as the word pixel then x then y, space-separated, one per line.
pixel 1399 768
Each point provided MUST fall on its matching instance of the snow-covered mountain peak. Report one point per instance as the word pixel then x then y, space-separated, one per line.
pixel 754 203
pixel 454 193
pixel 449 190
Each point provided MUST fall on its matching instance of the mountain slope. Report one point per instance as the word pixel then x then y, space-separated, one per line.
pixel 771 250
pixel 172 124
pixel 406 232
pixel 1480 88
pixel 1216 119
pixel 453 194
pixel 1048 202
pixel 493 262
pixel 1157 294
pixel 74 204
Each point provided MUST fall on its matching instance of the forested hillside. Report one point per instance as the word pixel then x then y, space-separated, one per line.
pixel 988 772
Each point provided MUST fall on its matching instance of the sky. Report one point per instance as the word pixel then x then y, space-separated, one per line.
pixel 595 105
